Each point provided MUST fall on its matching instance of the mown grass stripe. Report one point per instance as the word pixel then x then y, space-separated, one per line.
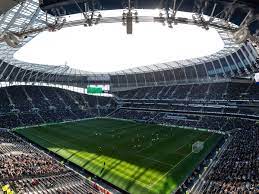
pixel 160 164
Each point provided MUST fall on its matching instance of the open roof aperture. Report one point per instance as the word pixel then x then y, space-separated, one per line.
pixel 107 48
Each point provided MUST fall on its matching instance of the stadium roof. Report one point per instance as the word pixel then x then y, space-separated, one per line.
pixel 29 14
pixel 28 17
pixel 69 7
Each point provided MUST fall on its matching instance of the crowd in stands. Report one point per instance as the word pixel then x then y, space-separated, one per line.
pixel 33 105
pixel 224 107
pixel 221 98
pixel 216 123
pixel 203 91
pixel 236 171
pixel 17 165
pixel 25 169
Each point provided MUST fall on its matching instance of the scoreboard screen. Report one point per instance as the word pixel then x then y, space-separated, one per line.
pixel 257 78
pixel 97 89
pixel 94 90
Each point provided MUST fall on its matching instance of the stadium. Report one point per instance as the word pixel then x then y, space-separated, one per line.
pixel 129 96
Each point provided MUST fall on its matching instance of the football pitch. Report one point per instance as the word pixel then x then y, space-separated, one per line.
pixel 139 158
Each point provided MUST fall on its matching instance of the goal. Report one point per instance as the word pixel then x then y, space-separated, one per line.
pixel 197 146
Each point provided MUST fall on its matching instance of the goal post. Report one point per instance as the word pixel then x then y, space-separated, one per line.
pixel 197 146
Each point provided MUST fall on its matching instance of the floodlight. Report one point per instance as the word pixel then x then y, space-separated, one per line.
pixel 241 35
pixel 11 39
pixel 129 23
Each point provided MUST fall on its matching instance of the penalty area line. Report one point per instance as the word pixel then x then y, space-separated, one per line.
pixel 169 171
pixel 174 166
pixel 154 160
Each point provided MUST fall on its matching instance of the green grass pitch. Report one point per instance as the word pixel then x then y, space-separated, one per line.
pixel 139 158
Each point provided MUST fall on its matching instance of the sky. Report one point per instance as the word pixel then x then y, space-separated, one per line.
pixel 107 47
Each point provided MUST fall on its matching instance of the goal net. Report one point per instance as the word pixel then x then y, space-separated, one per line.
pixel 197 146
